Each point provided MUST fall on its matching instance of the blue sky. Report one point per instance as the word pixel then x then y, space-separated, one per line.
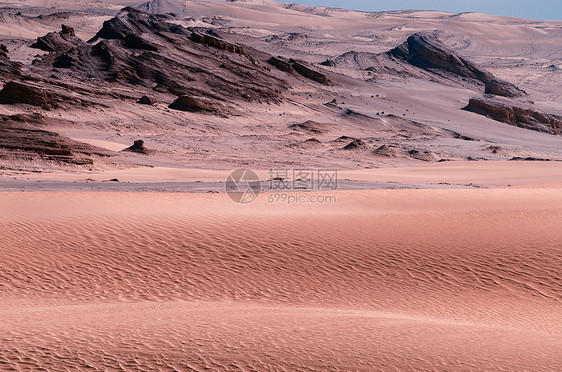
pixel 533 9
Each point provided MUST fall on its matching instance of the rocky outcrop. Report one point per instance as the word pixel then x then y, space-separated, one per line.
pixel 67 30
pixel 46 96
pixel 135 22
pixel 196 104
pixel 151 53
pixel 137 147
pixel 423 155
pixel 21 139
pixel 60 41
pixel 355 145
pixel 66 50
pixel 388 151
pixel 310 73
pixel 16 92
pixel 3 52
pixel 280 64
pixel 524 116
pixel 146 100
pixel 309 126
pixel 216 42
pixel 425 51
pixel 500 87
pixel 396 151
pixel 300 67
pixel 132 41
pixel 8 68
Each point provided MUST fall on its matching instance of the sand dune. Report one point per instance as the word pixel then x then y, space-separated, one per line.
pixel 375 280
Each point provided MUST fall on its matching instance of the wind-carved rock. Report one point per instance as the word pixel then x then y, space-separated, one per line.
pixel 425 51
pixel 519 115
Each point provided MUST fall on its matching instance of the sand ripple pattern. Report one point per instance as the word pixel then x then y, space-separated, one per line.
pixel 380 280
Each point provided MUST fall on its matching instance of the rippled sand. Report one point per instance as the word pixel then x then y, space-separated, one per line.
pixel 375 280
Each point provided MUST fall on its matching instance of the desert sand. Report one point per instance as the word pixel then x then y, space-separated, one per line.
pixel 440 249
pixel 376 280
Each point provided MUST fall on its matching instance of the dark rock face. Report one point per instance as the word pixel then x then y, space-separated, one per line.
pixel 44 96
pixel 328 63
pixel 20 139
pixel 15 92
pixel 499 87
pixel 300 67
pixel 425 51
pixel 216 42
pixel 136 22
pixel 388 151
pixel 60 41
pixel 345 138
pixel 136 42
pixel 65 61
pixel 146 100
pixel 524 117
pixel 138 147
pixel 195 104
pixel 421 155
pixel 312 141
pixel 3 52
pixel 309 73
pixel 355 145
pixel 309 126
pixel 7 67
pixel 279 63
pixel 66 30
pixel 147 51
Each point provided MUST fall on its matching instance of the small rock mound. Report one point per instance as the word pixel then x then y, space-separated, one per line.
pixel 312 140
pixel 309 126
pixel 423 155
pixel 355 145
pixel 146 100
pixel 345 139
pixel 496 150
pixel 388 151
pixel 311 143
pixel 195 104
pixel 138 147
pixel 66 30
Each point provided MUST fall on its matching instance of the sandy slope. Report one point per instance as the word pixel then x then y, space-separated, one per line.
pixel 373 280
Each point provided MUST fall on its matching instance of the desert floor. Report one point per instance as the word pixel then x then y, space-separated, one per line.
pixel 425 279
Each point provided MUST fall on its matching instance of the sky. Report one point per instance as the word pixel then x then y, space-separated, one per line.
pixel 532 9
